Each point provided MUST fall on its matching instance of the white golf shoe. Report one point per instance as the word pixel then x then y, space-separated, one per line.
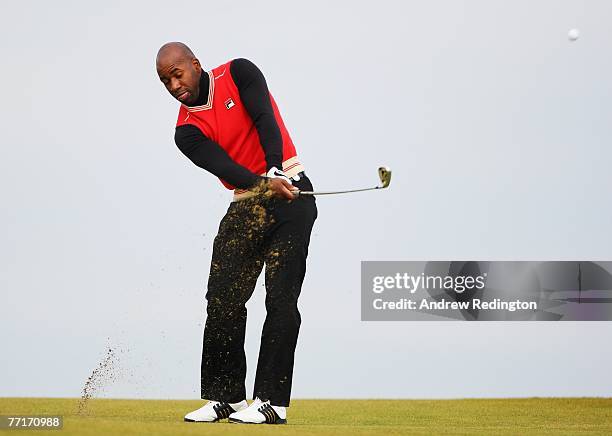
pixel 260 412
pixel 213 411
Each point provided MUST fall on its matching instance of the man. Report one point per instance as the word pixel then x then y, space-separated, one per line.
pixel 229 125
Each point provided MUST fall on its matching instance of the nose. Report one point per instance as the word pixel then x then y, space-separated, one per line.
pixel 174 84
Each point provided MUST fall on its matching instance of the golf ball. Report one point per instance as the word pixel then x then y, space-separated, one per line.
pixel 573 34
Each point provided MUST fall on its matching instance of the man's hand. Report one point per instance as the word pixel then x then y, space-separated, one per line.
pixel 279 185
pixel 281 188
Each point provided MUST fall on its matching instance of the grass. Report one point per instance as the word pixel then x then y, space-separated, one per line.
pixel 528 416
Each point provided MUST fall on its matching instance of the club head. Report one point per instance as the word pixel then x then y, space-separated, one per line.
pixel 384 173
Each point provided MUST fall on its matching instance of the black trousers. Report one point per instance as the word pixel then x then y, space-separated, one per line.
pixel 254 232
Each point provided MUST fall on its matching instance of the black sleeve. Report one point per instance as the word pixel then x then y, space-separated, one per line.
pixel 254 94
pixel 209 155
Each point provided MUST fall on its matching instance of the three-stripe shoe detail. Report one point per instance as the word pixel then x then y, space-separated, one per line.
pixel 223 410
pixel 214 411
pixel 270 414
pixel 260 412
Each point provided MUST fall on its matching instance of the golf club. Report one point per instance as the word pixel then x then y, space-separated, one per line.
pixel 384 173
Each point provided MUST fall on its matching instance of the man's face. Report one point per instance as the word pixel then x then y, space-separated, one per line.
pixel 180 75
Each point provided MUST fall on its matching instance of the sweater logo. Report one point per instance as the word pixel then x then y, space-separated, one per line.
pixel 229 103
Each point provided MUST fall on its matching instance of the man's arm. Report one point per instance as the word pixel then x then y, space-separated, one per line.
pixel 255 96
pixel 209 155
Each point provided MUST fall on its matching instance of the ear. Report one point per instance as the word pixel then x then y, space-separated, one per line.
pixel 196 64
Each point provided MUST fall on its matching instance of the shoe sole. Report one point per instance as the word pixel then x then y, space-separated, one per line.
pixel 207 422
pixel 238 421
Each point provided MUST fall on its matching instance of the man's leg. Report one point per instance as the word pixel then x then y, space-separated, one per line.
pixel 236 264
pixel 285 256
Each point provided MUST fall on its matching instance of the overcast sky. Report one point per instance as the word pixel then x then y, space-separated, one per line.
pixel 497 128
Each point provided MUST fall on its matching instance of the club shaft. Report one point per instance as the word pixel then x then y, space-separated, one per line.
pixel 336 192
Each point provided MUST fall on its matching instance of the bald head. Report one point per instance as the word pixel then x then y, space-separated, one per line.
pixel 174 49
pixel 179 70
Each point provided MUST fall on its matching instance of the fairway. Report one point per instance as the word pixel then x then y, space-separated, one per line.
pixel 561 416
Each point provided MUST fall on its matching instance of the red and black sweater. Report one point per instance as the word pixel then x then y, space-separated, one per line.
pixel 235 130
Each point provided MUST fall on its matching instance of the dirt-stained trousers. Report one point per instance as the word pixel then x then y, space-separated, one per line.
pixel 255 232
